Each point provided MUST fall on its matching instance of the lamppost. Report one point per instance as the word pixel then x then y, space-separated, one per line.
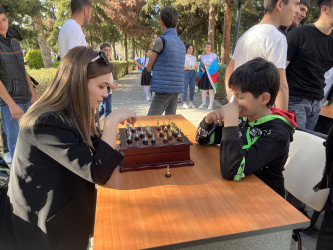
pixel 238 17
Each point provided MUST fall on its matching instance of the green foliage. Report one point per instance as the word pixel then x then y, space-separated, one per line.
pixel 34 59
pixel 44 77
pixel 121 68
pixel 220 92
pixel 56 64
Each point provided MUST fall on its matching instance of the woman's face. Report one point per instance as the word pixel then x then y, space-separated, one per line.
pixel 148 53
pixel 97 88
pixel 208 49
pixel 190 50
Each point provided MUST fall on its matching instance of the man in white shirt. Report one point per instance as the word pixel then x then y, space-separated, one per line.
pixel 71 34
pixel 264 40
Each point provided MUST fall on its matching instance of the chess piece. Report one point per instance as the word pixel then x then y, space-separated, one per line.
pixel 133 129
pixel 145 141
pixel 169 124
pixel 142 134
pixel 168 173
pixel 158 127
pixel 170 137
pixel 139 127
pixel 161 134
pixel 179 137
pixel 165 139
pixel 149 134
pixel 153 140
pixel 136 137
pixel 147 128
pixel 129 140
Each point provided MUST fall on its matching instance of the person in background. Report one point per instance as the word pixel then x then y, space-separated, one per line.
pixel 16 88
pixel 106 106
pixel 190 67
pixel 253 136
pixel 71 34
pixel 208 79
pixel 167 61
pixel 51 198
pixel 146 76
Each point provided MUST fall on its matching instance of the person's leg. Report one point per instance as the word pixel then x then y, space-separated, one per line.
pixel 203 98
pixel 172 105
pixel 186 83
pixel 301 107
pixel 211 98
pixel 146 88
pixel 108 105
pixel 159 104
pixel 192 87
pixel 313 116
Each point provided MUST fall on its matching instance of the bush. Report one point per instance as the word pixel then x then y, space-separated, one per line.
pixel 44 77
pixel 56 64
pixel 121 68
pixel 220 92
pixel 34 59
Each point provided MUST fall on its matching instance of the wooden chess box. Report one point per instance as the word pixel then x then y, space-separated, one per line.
pixel 166 151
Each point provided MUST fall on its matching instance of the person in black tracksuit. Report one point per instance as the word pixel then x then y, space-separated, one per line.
pixel 258 142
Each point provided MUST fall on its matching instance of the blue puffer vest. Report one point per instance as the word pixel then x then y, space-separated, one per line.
pixel 168 71
pixel 12 71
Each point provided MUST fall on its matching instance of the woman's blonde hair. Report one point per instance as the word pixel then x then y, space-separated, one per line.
pixel 68 94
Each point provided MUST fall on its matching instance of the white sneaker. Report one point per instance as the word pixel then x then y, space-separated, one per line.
pixel 148 99
pixel 191 105
pixel 7 158
pixel 202 106
pixel 210 107
pixel 185 106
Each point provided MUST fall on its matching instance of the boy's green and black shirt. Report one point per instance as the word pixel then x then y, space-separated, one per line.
pixel 260 147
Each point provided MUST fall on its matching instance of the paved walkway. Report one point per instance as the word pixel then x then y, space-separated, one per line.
pixel 130 94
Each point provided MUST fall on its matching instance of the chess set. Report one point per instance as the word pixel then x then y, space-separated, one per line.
pixel 153 147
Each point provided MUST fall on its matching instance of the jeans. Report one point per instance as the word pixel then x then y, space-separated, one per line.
pixel 307 111
pixel 163 102
pixel 106 106
pixel 11 125
pixel 189 81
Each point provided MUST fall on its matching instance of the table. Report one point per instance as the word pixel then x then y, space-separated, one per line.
pixel 325 120
pixel 194 209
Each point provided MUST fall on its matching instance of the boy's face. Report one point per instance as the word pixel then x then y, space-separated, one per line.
pixel 249 106
pixel 289 11
pixel 3 25
pixel 107 51
pixel 303 9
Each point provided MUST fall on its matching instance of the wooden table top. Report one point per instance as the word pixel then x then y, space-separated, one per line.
pixel 327 111
pixel 144 209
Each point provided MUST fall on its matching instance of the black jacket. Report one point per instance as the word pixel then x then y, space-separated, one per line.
pixel 260 147
pixel 12 71
pixel 51 193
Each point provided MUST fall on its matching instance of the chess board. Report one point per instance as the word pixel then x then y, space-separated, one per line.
pixel 153 147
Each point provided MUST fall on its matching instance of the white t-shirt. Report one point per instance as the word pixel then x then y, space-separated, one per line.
pixel 144 61
pixel 190 61
pixel 208 59
pixel 262 40
pixel 70 36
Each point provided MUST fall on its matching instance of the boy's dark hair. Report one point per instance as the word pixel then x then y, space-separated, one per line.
pixel 15 34
pixel 321 3
pixel 269 5
pixel 257 77
pixel 169 16
pixel 104 45
pixel 2 10
pixel 77 5
pixel 306 3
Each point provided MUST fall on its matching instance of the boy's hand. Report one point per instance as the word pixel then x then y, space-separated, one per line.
pixel 215 116
pixel 113 85
pixel 230 113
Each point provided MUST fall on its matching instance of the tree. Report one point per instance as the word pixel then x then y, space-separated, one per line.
pixel 225 48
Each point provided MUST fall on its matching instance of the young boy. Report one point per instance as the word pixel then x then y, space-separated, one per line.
pixel 167 60
pixel 106 106
pixel 258 142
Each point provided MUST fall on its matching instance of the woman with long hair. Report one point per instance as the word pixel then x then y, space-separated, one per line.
pixel 146 76
pixel 60 156
pixel 190 66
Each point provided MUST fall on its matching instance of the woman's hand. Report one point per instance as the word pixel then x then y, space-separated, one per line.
pixel 121 115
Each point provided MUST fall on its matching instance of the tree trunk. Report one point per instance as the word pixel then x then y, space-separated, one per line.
pixel 225 48
pixel 196 46
pixel 133 48
pixel 114 51
pixel 211 25
pixel 46 55
pixel 125 46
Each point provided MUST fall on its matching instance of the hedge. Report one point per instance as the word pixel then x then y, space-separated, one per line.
pixel 34 59
pixel 46 76
pixel 220 92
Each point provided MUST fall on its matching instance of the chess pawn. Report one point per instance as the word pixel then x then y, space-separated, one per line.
pixel 175 133
pixel 136 136
pixel 158 127
pixel 179 137
pixel 169 124
pixel 142 134
pixel 165 129
pixel 165 139
pixel 139 127
pixel 145 141
pixel 149 134
pixel 170 137
pixel 161 134
pixel 153 140
pixel 133 129
pixel 147 129
pixel 168 173
pixel 129 140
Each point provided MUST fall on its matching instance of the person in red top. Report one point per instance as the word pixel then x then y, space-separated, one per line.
pixel 253 136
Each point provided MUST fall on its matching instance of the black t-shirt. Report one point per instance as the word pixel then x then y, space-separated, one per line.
pixel 310 53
